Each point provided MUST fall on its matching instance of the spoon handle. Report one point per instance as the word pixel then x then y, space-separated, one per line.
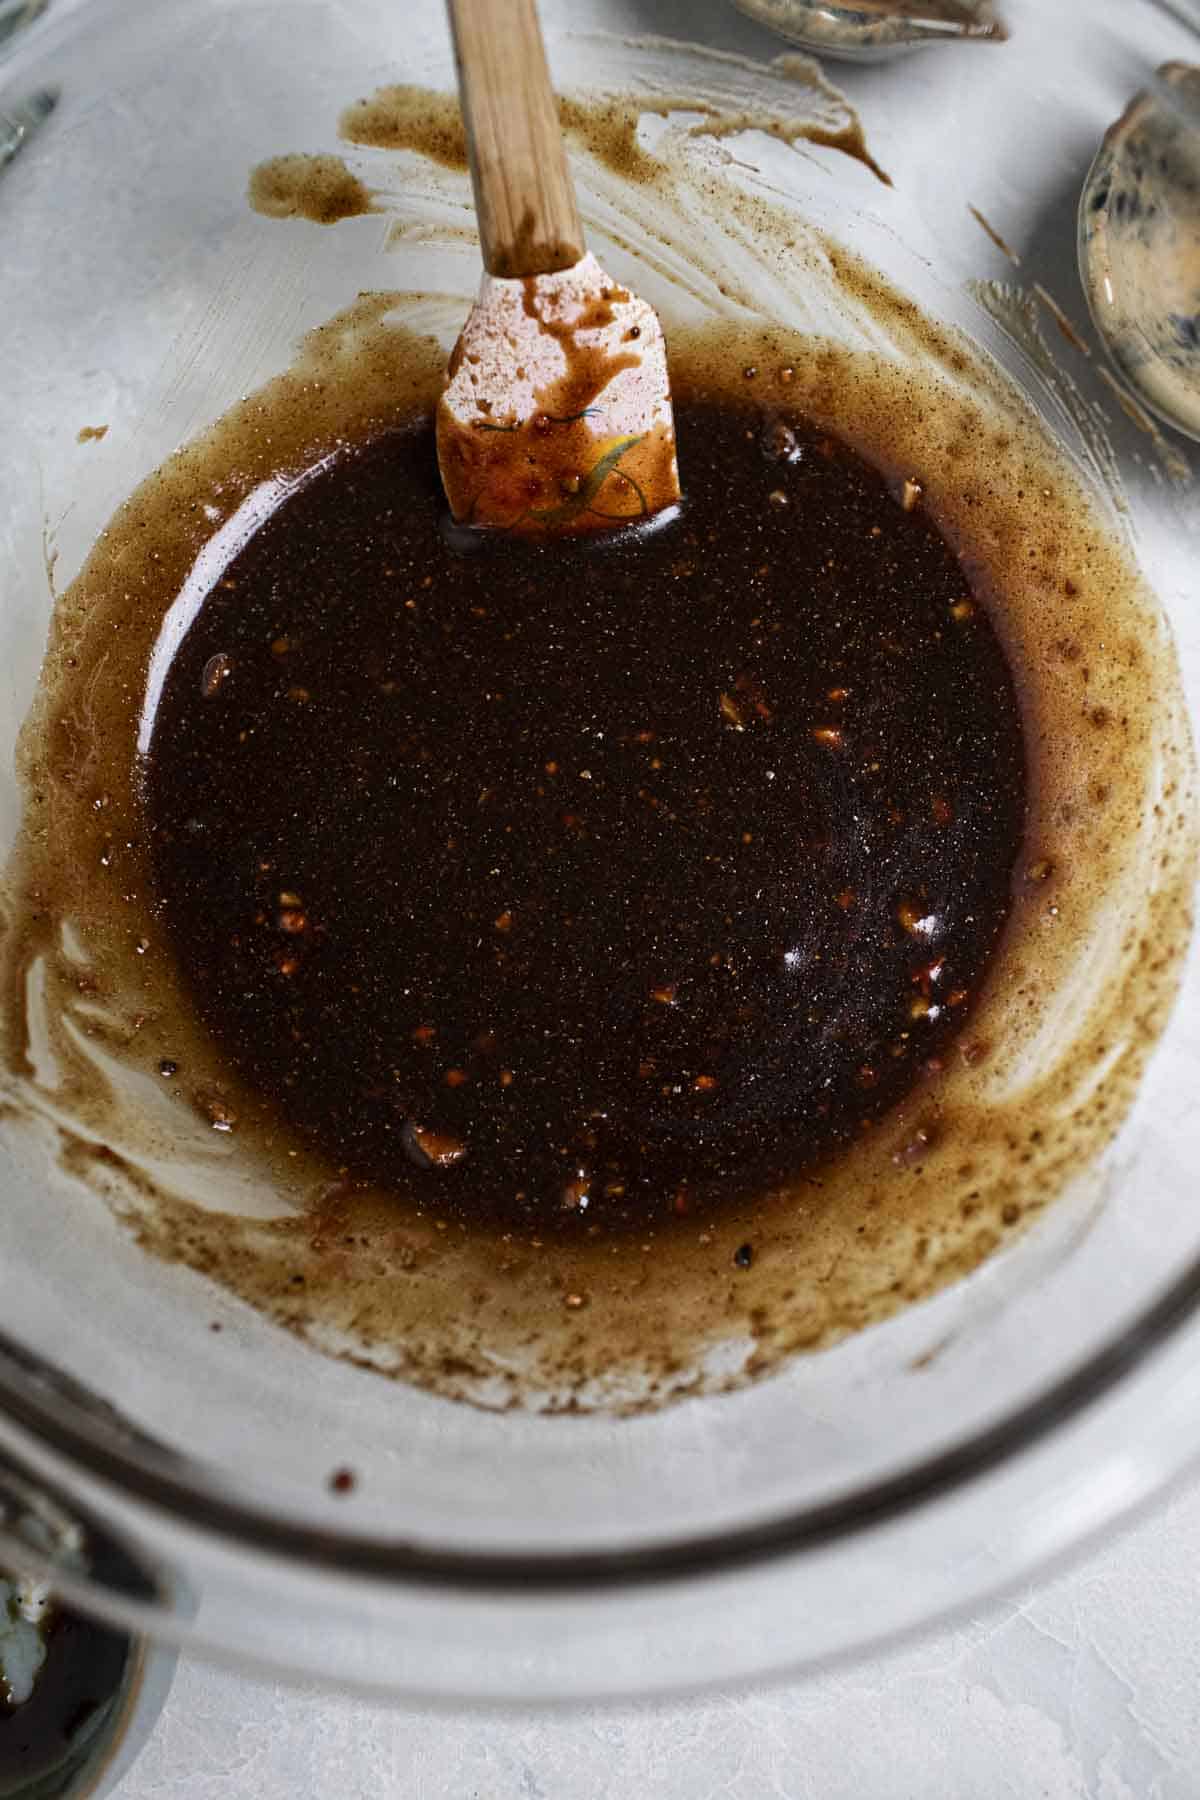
pixel 524 196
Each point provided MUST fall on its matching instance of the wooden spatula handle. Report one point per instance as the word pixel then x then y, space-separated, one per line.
pixel 524 197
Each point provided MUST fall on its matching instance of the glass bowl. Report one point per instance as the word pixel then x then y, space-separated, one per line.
pixel 859 1491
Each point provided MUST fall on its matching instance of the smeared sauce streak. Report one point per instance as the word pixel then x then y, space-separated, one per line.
pixel 989 230
pixel 320 188
pixel 407 117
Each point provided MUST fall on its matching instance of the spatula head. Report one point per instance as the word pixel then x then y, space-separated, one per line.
pixel 556 417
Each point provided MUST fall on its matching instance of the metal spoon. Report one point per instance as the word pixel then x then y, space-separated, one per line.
pixel 1139 244
pixel 870 30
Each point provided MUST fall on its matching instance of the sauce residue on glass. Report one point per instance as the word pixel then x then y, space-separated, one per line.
pixel 102 1038
pixel 320 188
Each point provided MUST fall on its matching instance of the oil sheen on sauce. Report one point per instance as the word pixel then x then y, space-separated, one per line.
pixel 568 887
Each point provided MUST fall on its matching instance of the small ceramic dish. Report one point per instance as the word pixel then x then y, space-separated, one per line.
pixel 871 30
pixel 1139 244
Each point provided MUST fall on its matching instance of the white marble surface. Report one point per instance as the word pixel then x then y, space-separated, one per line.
pixel 1084 1688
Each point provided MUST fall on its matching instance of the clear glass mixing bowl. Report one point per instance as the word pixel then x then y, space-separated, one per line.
pixel 859 1492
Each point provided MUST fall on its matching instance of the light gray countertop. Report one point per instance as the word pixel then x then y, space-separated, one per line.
pixel 1085 1688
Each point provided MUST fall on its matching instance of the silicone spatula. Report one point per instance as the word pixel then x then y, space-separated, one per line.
pixel 556 416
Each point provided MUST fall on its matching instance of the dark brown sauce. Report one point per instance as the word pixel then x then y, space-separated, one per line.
pixel 429 122
pixel 558 884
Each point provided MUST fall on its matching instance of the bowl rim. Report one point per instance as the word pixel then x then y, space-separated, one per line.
pixel 181 1490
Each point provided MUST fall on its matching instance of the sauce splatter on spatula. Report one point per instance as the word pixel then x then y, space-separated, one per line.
pixel 556 416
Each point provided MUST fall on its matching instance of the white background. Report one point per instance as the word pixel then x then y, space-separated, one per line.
pixel 1086 1688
